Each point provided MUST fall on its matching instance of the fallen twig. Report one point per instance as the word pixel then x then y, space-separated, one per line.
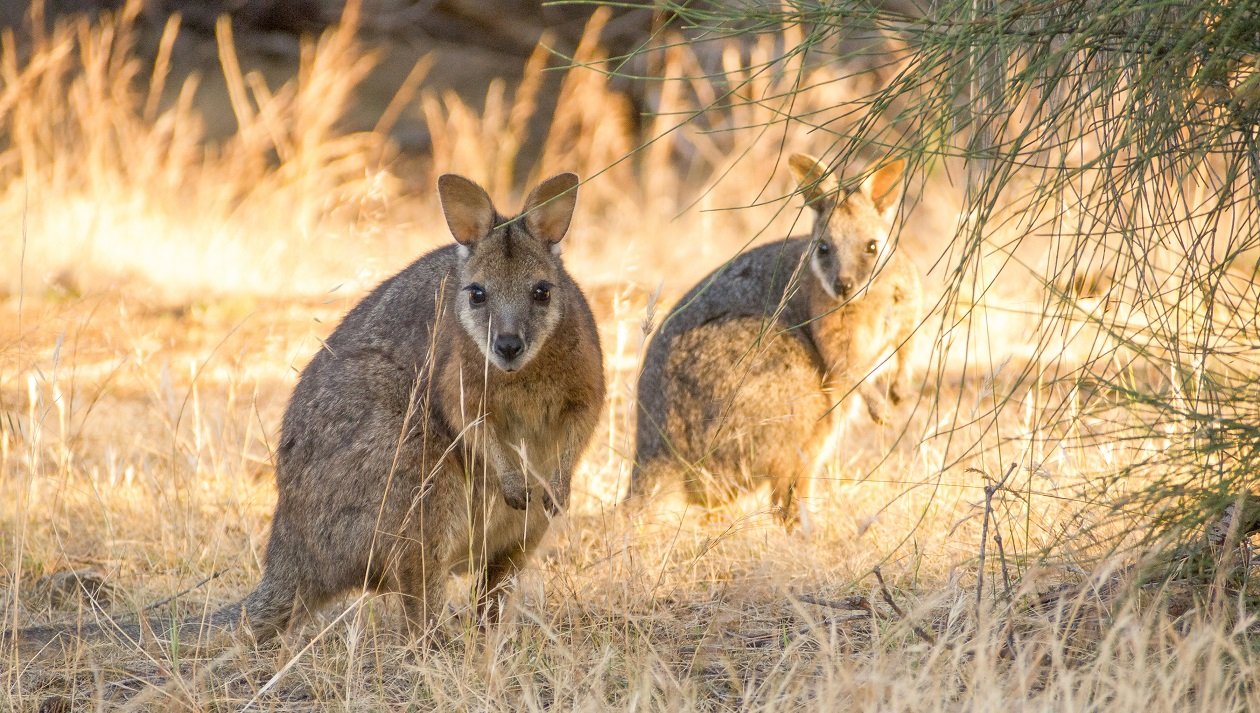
pixel 194 587
pixel 854 603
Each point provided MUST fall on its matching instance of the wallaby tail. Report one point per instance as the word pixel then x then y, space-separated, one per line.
pixel 266 611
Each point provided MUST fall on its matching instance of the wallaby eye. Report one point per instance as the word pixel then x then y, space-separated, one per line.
pixel 542 293
pixel 476 294
pixel 823 247
pixel 872 247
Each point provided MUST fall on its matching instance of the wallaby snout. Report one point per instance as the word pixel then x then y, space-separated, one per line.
pixel 508 347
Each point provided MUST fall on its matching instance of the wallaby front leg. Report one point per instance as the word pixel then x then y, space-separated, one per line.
pixel 899 387
pixel 876 402
pixel 510 466
pixel 556 496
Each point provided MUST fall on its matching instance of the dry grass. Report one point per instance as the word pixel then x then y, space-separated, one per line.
pixel 165 295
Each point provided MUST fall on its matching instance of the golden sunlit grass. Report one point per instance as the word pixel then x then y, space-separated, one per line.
pixel 164 296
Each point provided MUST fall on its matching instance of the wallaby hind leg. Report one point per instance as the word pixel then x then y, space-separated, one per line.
pixel 496 582
pixel 787 509
pixel 421 580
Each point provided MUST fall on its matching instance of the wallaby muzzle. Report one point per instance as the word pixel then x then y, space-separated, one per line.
pixel 508 347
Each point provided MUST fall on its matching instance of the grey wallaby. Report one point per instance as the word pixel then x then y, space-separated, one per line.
pixel 437 429
pixel 740 382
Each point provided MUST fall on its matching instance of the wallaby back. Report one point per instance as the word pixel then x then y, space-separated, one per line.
pixel 711 376
pixel 763 283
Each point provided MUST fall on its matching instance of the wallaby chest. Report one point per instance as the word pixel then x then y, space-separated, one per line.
pixel 525 412
pixel 853 337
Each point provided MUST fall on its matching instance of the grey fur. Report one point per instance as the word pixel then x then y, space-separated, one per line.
pixel 404 455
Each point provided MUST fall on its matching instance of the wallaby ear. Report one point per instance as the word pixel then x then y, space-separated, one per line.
pixel 883 187
pixel 468 210
pixel 549 207
pixel 812 178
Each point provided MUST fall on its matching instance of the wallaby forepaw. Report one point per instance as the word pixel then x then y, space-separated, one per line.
pixel 894 394
pixel 879 414
pixel 552 506
pixel 516 498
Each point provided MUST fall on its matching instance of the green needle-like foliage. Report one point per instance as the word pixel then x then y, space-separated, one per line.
pixel 1113 141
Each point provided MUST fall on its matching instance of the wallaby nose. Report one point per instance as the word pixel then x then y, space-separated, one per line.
pixel 844 285
pixel 508 346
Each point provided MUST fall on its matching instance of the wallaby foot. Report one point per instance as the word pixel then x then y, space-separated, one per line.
pixel 424 637
pixel 424 630
pixel 787 505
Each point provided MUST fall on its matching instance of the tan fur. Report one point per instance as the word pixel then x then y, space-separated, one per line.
pixel 741 384
pixel 727 447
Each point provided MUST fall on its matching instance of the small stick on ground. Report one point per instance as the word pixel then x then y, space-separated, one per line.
pixel 989 490
pixel 177 595
pixel 1009 650
pixel 918 631
pixel 854 603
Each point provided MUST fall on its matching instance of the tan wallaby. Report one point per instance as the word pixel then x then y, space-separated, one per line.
pixel 438 428
pixel 741 380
